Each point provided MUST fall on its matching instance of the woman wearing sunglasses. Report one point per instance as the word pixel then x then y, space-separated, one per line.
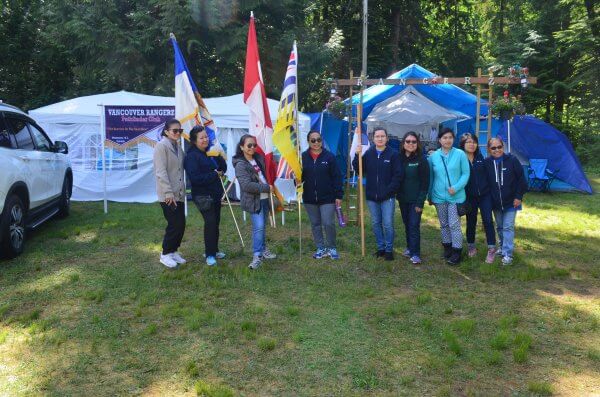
pixel 254 198
pixel 479 197
pixel 449 174
pixel 382 166
pixel 170 187
pixel 508 185
pixel 412 194
pixel 204 173
pixel 323 192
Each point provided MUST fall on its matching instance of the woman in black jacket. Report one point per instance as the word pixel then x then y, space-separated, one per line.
pixel 479 197
pixel 412 193
pixel 507 181
pixel 322 183
pixel 382 167
pixel 204 173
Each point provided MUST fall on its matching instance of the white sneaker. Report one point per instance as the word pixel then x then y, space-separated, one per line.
pixel 178 258
pixel 168 261
pixel 507 260
pixel 256 262
pixel 220 255
pixel 268 254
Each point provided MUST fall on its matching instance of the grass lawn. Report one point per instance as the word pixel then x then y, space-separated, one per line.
pixel 88 310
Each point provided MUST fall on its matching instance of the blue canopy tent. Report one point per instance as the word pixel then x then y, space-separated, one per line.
pixel 448 96
pixel 531 138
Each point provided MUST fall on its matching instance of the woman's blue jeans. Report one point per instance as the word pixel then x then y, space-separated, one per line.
pixel 259 221
pixel 382 220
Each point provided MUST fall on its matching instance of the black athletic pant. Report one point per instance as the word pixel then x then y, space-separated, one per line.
pixel 175 227
pixel 212 219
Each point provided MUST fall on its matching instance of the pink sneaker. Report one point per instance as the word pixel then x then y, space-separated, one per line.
pixel 472 252
pixel 491 255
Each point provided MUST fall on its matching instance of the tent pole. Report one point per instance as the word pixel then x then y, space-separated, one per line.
pixel 508 122
pixel 489 120
pixel 103 130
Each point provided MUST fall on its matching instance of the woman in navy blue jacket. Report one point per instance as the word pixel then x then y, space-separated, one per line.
pixel 204 173
pixel 382 166
pixel 479 197
pixel 507 181
pixel 322 193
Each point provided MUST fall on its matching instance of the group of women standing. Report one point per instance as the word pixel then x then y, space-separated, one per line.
pixel 455 181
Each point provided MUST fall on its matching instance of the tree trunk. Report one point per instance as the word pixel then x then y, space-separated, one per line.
pixel 501 20
pixel 395 42
pixel 547 113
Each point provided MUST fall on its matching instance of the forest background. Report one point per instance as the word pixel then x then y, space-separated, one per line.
pixel 53 50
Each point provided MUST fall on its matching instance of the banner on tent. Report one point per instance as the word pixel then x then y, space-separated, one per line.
pixel 126 126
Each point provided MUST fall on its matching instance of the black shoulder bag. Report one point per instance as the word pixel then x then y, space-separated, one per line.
pixel 463 208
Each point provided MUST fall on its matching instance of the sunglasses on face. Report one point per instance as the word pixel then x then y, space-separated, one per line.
pixel 177 130
pixel 411 142
pixel 496 147
pixel 315 140
pixel 251 145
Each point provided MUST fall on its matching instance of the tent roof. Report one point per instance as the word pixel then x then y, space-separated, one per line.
pixel 532 138
pixel 448 96
pixel 410 107
pixel 227 112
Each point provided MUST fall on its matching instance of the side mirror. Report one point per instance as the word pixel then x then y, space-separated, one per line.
pixel 61 147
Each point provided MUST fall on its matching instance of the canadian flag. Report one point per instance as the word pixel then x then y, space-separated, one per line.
pixel 255 97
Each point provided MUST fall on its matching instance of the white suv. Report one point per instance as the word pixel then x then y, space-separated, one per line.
pixel 35 178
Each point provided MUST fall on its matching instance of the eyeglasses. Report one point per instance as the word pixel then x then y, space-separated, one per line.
pixel 177 130
pixel 496 147
pixel 251 145
pixel 410 142
pixel 315 140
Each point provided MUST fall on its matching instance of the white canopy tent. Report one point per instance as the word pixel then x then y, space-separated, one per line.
pixel 77 122
pixel 410 110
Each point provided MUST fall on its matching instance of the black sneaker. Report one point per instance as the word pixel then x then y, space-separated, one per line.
pixel 455 257
pixel 389 256
pixel 379 254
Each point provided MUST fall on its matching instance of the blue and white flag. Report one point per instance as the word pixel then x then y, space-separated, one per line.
pixel 190 109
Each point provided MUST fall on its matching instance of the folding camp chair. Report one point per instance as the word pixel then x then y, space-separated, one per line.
pixel 540 177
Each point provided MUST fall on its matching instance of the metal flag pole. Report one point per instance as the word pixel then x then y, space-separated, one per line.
pixel 360 170
pixel 297 127
pixel 364 38
pixel 103 134
pixel 232 214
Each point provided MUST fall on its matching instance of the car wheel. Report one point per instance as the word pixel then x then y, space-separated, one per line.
pixel 65 198
pixel 13 221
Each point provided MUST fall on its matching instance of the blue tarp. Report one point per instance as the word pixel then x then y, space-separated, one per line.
pixel 531 138
pixel 448 96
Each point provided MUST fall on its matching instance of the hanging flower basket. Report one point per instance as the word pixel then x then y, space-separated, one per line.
pixel 505 108
pixel 337 108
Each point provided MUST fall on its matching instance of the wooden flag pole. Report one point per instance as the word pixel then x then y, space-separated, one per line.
pixel 490 100
pixel 360 170
pixel 478 110
pixel 272 217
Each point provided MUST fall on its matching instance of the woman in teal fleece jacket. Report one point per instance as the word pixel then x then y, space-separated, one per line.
pixel 449 174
